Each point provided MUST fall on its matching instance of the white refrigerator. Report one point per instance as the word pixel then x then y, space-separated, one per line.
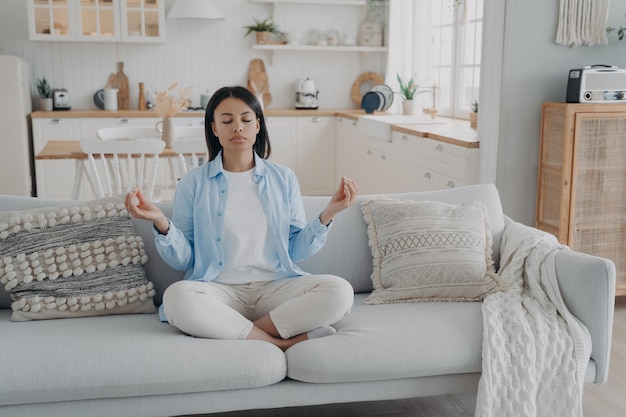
pixel 16 160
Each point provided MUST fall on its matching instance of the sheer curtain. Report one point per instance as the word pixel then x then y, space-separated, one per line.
pixel 407 44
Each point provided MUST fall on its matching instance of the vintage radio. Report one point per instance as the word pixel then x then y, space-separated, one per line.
pixel 596 84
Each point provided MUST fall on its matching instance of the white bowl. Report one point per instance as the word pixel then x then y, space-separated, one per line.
pixel 293 37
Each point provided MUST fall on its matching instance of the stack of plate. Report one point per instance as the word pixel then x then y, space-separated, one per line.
pixel 379 98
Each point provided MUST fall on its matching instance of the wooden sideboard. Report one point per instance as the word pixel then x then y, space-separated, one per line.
pixel 582 180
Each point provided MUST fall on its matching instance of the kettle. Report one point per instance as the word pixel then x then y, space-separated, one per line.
pixel 306 94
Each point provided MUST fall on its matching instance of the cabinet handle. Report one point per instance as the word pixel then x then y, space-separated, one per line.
pixel 56 121
pixel 405 138
pixel 316 120
pixel 450 184
pixel 439 148
pixel 353 123
pixel 125 121
pixel 427 175
pixel 268 119
pixel 368 152
pixel 340 120
pixel 383 157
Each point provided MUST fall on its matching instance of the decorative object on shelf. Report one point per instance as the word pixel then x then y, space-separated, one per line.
pixel 372 28
pixel 45 95
pixel 142 97
pixel 110 99
pixel 195 9
pixel 306 94
pixel 408 91
pixel 167 105
pixel 362 84
pixel 258 82
pixel 263 29
pixel 473 116
pixel 620 31
pixel 120 81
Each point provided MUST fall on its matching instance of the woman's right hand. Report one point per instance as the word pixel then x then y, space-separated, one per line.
pixel 141 208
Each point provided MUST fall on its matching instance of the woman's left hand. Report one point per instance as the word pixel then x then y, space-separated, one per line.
pixel 343 198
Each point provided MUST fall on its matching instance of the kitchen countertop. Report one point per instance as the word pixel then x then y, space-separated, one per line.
pixel 453 131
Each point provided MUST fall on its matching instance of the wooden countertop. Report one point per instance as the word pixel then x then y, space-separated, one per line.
pixel 453 131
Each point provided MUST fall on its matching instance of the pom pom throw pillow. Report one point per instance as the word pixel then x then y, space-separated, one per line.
pixel 429 251
pixel 73 261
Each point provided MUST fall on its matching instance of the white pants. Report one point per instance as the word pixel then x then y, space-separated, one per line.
pixel 221 311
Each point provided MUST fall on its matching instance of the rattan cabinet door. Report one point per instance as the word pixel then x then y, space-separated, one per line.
pixel 598 212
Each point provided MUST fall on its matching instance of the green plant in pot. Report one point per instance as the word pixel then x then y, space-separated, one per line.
pixel 45 94
pixel 408 91
pixel 263 29
pixel 473 116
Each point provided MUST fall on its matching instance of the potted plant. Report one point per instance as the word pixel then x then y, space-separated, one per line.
pixel 408 91
pixel 473 116
pixel 45 94
pixel 263 29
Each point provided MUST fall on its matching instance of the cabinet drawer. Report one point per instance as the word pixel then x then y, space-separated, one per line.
pixel 443 157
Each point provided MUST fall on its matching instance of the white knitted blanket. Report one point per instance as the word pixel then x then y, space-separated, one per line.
pixel 535 352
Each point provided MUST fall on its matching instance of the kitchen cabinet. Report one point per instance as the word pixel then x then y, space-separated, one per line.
pixel 282 134
pixel 54 178
pixel 443 165
pixel 307 146
pixel 315 155
pixel 582 178
pixel 97 20
pixel 348 140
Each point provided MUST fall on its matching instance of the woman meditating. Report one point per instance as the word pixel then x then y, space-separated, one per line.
pixel 237 228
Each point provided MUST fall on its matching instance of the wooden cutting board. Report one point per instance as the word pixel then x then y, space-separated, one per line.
pixel 258 82
pixel 120 81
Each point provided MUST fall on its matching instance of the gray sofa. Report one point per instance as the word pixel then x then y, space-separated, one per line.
pixel 134 365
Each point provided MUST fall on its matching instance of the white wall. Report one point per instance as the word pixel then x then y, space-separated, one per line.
pixel 535 70
pixel 199 53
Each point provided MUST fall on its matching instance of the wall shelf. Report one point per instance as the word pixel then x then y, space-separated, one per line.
pixel 363 50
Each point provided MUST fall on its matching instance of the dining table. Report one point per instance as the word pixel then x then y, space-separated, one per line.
pixel 71 149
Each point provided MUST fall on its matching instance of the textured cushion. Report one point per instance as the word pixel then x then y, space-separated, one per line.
pixel 73 261
pixel 429 251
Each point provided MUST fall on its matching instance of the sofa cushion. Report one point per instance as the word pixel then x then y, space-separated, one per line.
pixel 347 253
pixel 73 260
pixel 393 341
pixel 124 356
pixel 429 251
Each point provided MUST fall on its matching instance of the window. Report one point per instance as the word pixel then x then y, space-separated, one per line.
pixel 450 53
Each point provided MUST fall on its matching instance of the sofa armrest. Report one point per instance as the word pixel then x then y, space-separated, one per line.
pixel 587 285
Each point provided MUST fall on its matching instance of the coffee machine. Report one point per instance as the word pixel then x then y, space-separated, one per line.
pixel 306 94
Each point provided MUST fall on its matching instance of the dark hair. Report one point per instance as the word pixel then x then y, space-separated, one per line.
pixel 262 145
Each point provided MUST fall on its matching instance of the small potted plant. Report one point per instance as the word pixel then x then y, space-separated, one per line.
pixel 473 116
pixel 45 94
pixel 408 91
pixel 263 29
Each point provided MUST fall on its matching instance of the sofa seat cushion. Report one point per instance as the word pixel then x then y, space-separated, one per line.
pixel 124 356
pixel 391 341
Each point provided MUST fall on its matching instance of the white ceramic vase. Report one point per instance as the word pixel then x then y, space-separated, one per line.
pixel 409 107
pixel 168 131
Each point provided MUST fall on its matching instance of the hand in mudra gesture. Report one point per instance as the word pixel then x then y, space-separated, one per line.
pixel 343 198
pixel 141 208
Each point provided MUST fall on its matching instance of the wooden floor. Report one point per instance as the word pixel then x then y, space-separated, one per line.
pixel 598 401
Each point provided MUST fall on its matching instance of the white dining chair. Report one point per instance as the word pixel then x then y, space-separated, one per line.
pixel 123 165
pixel 190 147
pixel 128 132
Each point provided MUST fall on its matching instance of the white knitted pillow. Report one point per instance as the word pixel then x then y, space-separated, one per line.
pixel 73 261
pixel 429 251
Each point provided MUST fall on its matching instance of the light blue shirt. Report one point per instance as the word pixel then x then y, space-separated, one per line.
pixel 194 240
